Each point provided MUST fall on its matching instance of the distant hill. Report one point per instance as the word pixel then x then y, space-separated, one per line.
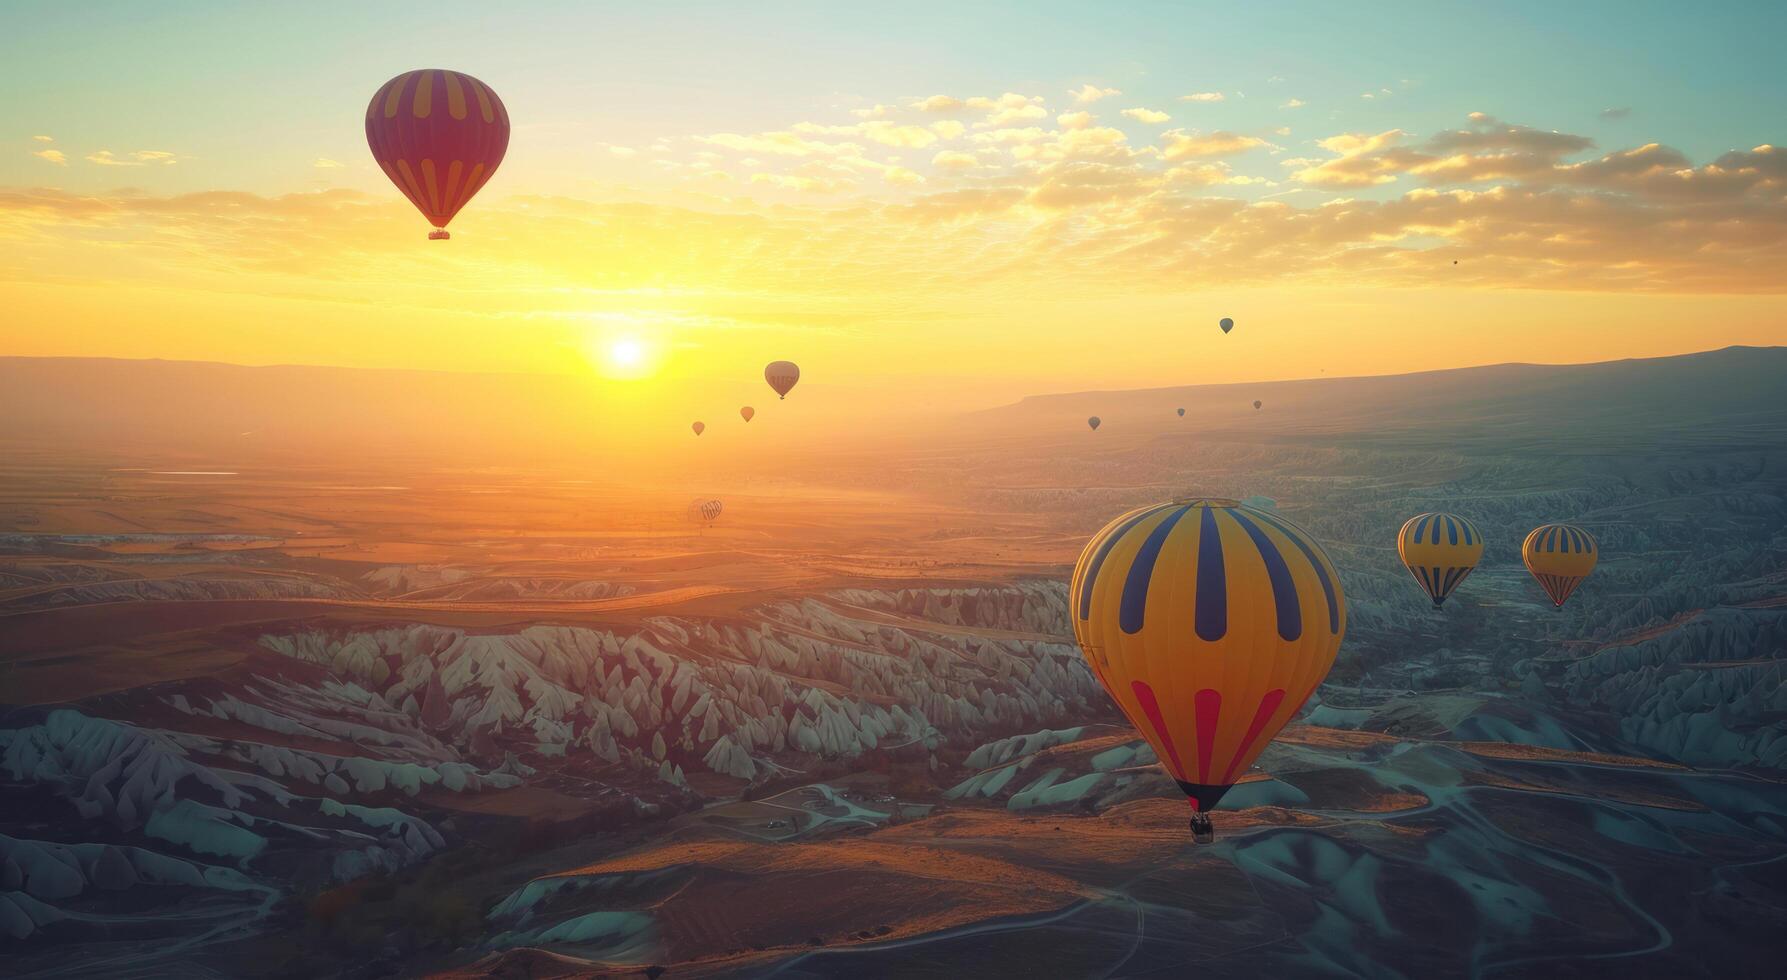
pixel 1736 396
pixel 1733 397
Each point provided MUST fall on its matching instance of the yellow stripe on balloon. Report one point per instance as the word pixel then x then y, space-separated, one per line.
pixel 483 99
pixel 455 95
pixel 434 193
pixel 394 95
pixel 424 95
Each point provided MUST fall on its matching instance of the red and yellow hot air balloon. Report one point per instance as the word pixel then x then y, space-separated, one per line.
pixel 782 376
pixel 699 427
pixel 1209 623
pixel 1441 551
pixel 747 413
pixel 438 135
pixel 1559 556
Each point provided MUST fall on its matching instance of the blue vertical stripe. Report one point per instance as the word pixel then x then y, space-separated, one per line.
pixel 1321 572
pixel 1284 588
pixel 1098 560
pixel 1141 571
pixel 1470 533
pixel 1212 613
pixel 1451 530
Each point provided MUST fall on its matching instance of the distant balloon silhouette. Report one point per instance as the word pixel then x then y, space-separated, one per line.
pixel 782 376
pixel 705 511
pixel 1257 404
pixel 438 135
pixel 1226 324
pixel 1093 422
pixel 747 412
pixel 1182 413
pixel 1559 557
pixel 699 427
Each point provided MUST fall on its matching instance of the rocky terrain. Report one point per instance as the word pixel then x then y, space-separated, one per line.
pixel 239 732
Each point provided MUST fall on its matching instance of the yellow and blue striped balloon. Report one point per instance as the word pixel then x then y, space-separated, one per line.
pixel 1441 551
pixel 1210 624
pixel 1559 556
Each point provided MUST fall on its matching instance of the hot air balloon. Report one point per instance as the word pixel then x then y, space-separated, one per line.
pixel 1209 623
pixel 1182 413
pixel 1559 556
pixel 781 376
pixel 699 427
pixel 747 413
pixel 1226 324
pixel 705 511
pixel 1257 404
pixel 1440 551
pixel 438 135
pixel 1094 422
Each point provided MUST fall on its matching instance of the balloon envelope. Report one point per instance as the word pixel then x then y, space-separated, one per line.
pixel 1226 324
pixel 747 412
pixel 705 511
pixel 1093 422
pixel 699 427
pixel 781 376
pixel 1209 623
pixel 1441 551
pixel 1257 404
pixel 1182 413
pixel 438 135
pixel 1559 557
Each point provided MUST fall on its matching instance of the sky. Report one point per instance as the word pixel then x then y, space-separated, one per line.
pixel 917 200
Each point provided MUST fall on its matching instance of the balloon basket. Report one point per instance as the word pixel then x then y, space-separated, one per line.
pixel 438 235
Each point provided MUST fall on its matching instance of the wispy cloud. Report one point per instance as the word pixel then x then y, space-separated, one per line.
pixel 1152 117
pixel 324 163
pixel 1178 144
pixel 1087 94
pixel 1203 97
pixel 51 154
pixel 1616 113
pixel 135 158
pixel 1292 104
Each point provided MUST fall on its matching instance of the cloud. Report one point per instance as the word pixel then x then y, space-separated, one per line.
pixel 780 143
pixel 1293 104
pixel 947 128
pixel 44 139
pixel 1152 117
pixel 135 158
pixel 619 151
pixel 1364 160
pixel 954 160
pixel 878 130
pixel 1203 97
pixel 802 182
pixel 1488 150
pixel 1177 144
pixel 1618 113
pixel 1009 108
pixel 940 103
pixel 873 112
pixel 1088 94
pixel 1020 208
pixel 324 163
pixel 52 155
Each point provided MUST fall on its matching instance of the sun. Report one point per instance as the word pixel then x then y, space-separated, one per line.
pixel 626 352
pixel 624 357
